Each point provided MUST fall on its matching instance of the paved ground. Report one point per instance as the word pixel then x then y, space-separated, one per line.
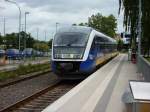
pixel 128 72
pixel 112 97
pixel 14 64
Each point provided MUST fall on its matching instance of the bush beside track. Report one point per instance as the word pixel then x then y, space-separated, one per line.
pixel 23 70
pixel 148 59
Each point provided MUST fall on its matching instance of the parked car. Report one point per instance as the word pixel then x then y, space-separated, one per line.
pixel 2 53
pixel 13 54
pixel 39 53
pixel 28 52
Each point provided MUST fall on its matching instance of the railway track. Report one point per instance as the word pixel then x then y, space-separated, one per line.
pixel 40 100
pixel 23 78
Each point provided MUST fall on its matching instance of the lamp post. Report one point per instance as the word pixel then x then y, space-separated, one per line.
pixel 57 26
pixel 13 2
pixel 4 23
pixel 139 28
pixel 37 34
pixel 25 29
pixel 4 26
pixel 139 34
pixel 22 27
pixel 45 35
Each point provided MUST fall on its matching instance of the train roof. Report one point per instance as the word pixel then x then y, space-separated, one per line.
pixel 81 29
pixel 105 36
pixel 84 29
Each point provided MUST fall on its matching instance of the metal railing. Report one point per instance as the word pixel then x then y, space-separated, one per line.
pixel 144 67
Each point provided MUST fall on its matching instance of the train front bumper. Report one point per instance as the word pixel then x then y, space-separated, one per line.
pixel 73 68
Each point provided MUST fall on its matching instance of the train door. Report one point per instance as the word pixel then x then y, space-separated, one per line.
pixel 93 50
pixel 100 46
pixel 97 45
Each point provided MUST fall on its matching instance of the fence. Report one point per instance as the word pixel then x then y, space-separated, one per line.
pixel 144 67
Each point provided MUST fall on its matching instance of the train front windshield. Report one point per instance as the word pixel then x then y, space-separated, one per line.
pixel 69 45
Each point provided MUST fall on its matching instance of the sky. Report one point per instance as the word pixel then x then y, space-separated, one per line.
pixel 44 14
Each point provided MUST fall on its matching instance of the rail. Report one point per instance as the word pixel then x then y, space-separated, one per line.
pixel 41 99
pixel 144 67
pixel 26 100
pixel 29 76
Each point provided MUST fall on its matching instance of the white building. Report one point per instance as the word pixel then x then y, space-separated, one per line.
pixel 126 37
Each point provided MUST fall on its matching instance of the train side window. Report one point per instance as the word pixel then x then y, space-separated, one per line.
pixel 100 41
pixel 93 44
pixel 96 40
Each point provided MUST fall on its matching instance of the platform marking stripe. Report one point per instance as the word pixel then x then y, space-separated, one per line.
pixel 93 100
pixel 103 103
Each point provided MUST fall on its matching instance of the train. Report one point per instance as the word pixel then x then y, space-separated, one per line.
pixel 78 50
pixel 13 54
pixel 2 53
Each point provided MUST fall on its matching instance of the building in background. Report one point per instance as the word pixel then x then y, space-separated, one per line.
pixel 126 37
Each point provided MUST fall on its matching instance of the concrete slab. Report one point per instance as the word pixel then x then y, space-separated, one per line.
pixel 14 65
pixel 128 72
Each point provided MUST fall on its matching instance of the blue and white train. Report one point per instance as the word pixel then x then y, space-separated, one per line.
pixel 78 50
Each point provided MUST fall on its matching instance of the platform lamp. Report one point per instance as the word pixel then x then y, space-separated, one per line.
pixel 13 2
pixel 25 29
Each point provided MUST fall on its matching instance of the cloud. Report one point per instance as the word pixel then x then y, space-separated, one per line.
pixel 44 14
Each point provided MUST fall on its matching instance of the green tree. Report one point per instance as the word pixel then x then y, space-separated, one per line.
pixel 1 40
pixel 50 43
pixel 74 24
pixel 41 47
pixel 83 24
pixel 30 41
pixel 131 12
pixel 80 24
pixel 119 45
pixel 11 40
pixel 105 24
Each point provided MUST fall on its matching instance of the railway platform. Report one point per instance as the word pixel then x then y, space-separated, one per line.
pixel 100 92
pixel 14 64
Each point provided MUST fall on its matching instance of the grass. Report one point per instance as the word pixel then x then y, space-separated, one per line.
pixel 124 51
pixel 22 70
pixel 148 59
pixel 35 58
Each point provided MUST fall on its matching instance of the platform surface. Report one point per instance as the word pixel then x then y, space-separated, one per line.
pixel 14 64
pixel 100 92
pixel 128 72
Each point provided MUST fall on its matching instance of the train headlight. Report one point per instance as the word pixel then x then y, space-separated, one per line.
pixel 78 56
